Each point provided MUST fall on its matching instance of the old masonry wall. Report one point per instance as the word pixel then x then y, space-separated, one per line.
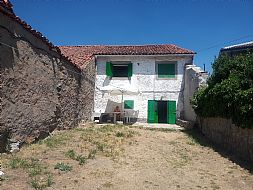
pixel 40 90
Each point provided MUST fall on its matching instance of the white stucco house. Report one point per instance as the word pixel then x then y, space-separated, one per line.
pixel 145 81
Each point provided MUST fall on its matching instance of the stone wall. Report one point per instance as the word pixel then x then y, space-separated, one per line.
pixel 40 89
pixel 230 137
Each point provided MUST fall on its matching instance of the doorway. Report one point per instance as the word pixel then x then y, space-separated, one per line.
pixel 162 111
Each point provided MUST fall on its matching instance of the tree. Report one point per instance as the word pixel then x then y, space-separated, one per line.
pixel 229 93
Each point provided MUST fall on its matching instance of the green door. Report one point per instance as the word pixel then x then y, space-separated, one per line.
pixel 172 106
pixel 152 111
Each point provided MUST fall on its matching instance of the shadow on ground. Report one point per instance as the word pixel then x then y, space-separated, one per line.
pixel 203 141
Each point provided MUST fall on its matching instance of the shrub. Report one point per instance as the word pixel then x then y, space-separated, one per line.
pixel 230 91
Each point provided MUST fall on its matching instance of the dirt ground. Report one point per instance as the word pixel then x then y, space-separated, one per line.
pixel 125 158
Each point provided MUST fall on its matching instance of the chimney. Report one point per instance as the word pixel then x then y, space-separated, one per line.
pixel 6 6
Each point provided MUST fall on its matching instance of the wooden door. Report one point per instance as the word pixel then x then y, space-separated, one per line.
pixel 172 107
pixel 152 111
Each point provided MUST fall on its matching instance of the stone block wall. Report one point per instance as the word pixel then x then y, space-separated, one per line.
pixel 40 89
pixel 227 135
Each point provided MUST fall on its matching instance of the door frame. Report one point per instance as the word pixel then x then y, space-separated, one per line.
pixel 152 110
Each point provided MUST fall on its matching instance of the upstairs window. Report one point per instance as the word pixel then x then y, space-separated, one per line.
pixel 119 69
pixel 166 70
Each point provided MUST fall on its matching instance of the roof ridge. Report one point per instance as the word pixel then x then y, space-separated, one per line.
pixel 136 45
pixel 238 45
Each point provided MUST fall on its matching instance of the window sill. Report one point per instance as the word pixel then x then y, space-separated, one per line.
pixel 120 78
pixel 157 78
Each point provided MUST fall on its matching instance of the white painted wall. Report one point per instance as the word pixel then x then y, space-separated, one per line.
pixel 144 79
pixel 195 77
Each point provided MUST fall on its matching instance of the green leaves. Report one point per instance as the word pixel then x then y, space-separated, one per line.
pixel 230 90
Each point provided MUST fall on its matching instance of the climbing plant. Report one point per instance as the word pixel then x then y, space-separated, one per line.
pixel 229 93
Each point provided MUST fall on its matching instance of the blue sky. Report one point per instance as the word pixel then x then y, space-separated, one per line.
pixel 192 24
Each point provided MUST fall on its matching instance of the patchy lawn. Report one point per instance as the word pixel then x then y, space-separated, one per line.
pixel 121 157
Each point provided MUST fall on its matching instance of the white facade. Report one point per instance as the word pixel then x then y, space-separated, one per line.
pixel 144 79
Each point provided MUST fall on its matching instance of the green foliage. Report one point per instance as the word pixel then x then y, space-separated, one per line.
pixel 41 183
pixel 63 167
pixel 40 178
pixel 55 141
pixel 230 90
pixel 72 154
pixel 81 159
pixel 16 162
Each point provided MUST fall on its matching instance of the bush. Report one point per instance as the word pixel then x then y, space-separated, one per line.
pixel 230 91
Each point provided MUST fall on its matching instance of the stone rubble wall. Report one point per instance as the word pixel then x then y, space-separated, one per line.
pixel 227 135
pixel 39 90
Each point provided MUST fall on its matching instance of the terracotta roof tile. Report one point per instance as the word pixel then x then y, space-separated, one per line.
pixel 80 55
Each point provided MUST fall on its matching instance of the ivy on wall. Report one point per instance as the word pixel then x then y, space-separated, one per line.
pixel 229 93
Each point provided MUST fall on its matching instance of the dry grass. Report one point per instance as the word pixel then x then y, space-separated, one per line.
pixel 121 157
pixel 80 145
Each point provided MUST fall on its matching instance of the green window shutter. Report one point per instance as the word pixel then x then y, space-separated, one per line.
pixel 109 69
pixel 167 70
pixel 152 111
pixel 171 111
pixel 130 69
pixel 128 104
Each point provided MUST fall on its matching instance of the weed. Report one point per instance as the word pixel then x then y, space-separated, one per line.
pixel 63 167
pixel 49 181
pixel 34 169
pixel 99 146
pixel 120 134
pixel 16 162
pixel 71 154
pixel 41 183
pixel 92 154
pixel 130 134
pixel 81 159
pixel 2 178
pixel 55 141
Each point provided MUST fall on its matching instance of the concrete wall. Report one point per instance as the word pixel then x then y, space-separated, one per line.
pixel 144 79
pixel 227 135
pixel 40 90
pixel 194 78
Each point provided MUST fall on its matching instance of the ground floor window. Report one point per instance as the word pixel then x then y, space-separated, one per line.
pixel 128 104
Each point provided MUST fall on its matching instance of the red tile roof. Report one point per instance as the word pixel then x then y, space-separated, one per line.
pixel 6 9
pixel 80 55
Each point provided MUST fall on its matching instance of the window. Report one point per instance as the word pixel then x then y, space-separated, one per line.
pixel 128 104
pixel 119 69
pixel 166 70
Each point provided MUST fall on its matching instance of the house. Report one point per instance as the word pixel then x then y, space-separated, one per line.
pixel 237 49
pixel 146 81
